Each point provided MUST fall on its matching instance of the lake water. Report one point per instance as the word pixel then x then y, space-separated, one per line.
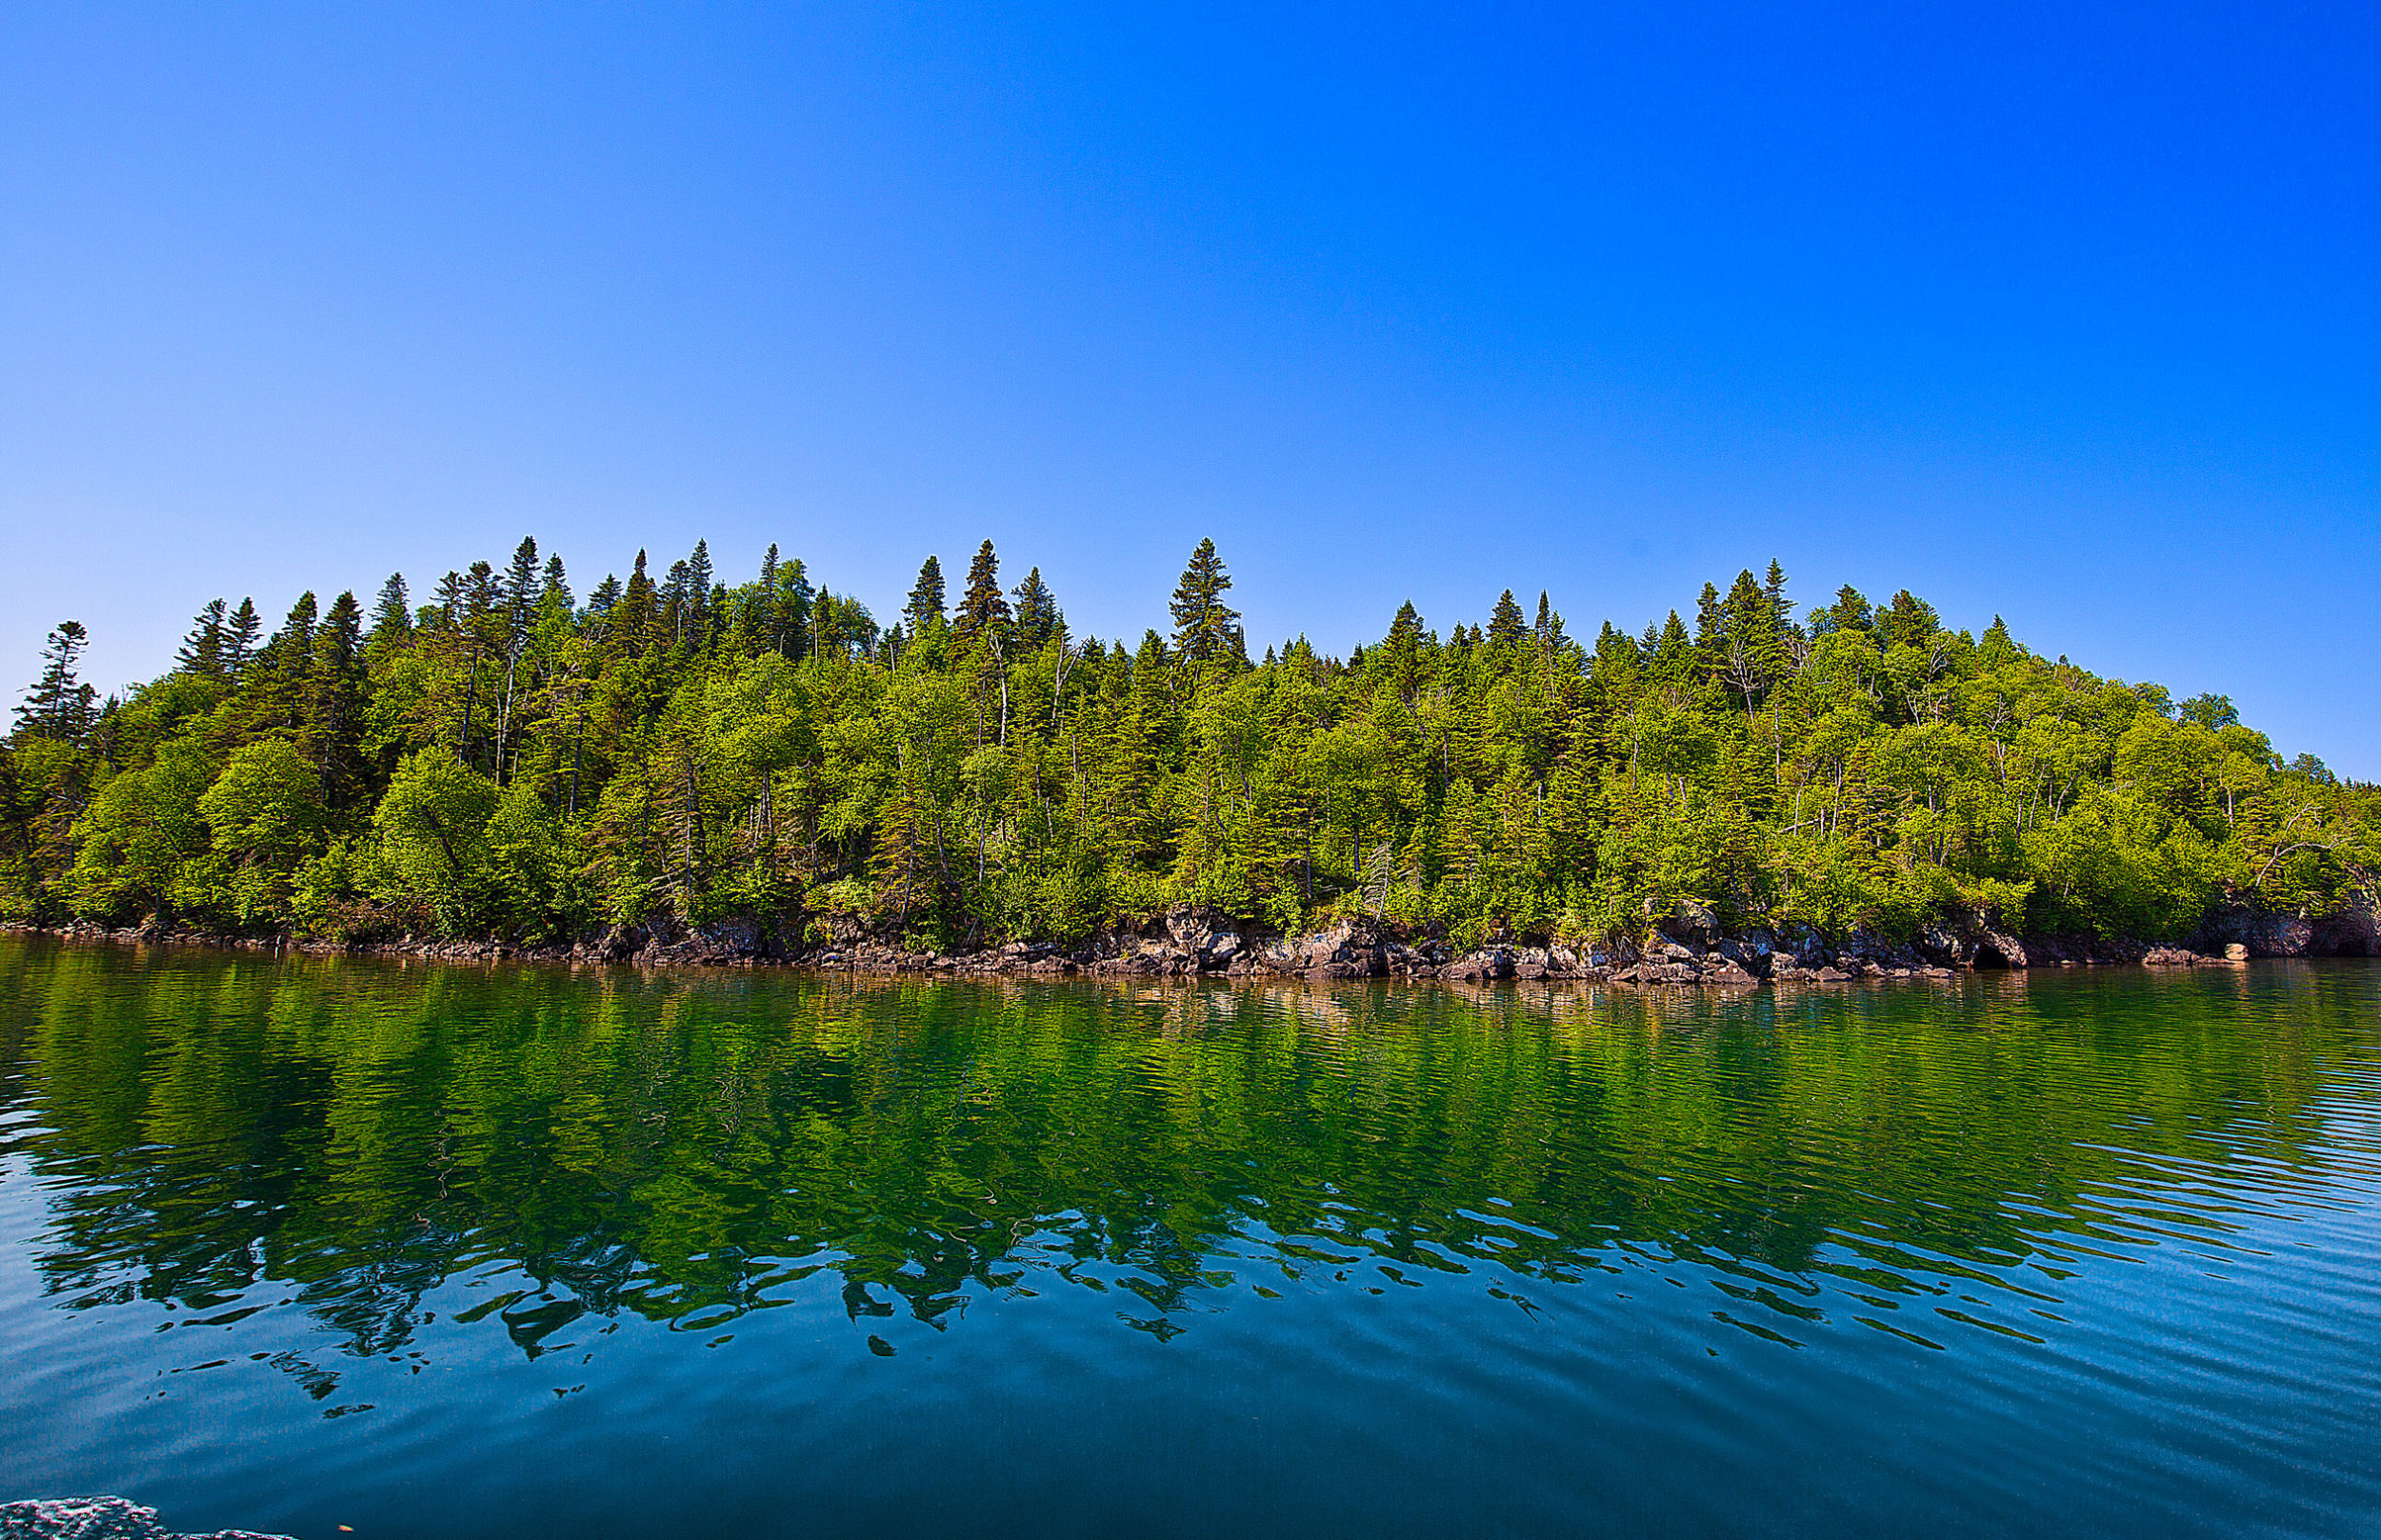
pixel 463 1252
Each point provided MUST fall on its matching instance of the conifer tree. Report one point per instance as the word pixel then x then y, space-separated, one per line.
pixel 1206 631
pixel 240 636
pixel 1037 612
pixel 392 616
pixel 201 653
pixel 59 704
pixel 983 608
pixel 700 616
pixel 520 593
pixel 789 601
pixel 926 598
pixel 1849 612
pixel 334 716
pixel 1548 629
pixel 1710 639
pixel 1504 622
pixel 1773 586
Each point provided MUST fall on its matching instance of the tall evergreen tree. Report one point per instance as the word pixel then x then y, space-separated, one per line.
pixel 335 697
pixel 1504 622
pixel 790 603
pixel 201 653
pixel 520 593
pixel 982 607
pixel 700 617
pixel 240 636
pixel 1038 610
pixel 1206 631
pixel 924 609
pixel 392 616
pixel 1549 630
pixel 59 705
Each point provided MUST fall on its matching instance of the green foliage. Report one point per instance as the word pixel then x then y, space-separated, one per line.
pixel 506 759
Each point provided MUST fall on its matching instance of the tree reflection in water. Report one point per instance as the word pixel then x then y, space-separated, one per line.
pixel 212 1129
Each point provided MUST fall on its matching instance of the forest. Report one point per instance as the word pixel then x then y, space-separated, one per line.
pixel 508 759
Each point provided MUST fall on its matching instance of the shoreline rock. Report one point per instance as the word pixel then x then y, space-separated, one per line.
pixel 99 1518
pixel 1688 949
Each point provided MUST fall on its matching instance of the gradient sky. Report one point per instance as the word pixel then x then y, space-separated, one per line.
pixel 2064 313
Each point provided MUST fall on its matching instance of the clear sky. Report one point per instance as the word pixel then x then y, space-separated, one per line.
pixel 2063 312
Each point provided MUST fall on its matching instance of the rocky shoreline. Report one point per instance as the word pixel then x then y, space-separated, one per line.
pixel 1689 948
pixel 98 1518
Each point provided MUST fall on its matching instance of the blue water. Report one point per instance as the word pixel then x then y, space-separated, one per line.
pixel 460 1251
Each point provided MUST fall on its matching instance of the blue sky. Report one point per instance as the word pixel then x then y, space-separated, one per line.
pixel 2063 315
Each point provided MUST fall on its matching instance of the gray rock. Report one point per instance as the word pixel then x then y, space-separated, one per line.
pixel 98 1518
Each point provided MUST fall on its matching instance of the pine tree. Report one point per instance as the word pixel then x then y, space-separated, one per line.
pixel 1206 631
pixel 926 599
pixel 1751 652
pixel 240 636
pixel 701 614
pixel 201 653
pixel 1710 649
pixel 392 616
pixel 335 699
pixel 790 603
pixel 1849 612
pixel 275 691
pixel 1403 647
pixel 677 601
pixel 520 593
pixel 522 586
pixel 1773 588
pixel 59 705
pixel 1505 624
pixel 983 608
pixel 556 587
pixel 1549 630
pixel 1038 619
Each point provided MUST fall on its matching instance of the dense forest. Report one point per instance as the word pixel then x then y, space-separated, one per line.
pixel 512 759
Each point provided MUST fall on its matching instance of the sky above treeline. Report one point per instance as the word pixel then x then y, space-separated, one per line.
pixel 2062 313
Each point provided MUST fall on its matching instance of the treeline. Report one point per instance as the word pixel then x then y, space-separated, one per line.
pixel 512 759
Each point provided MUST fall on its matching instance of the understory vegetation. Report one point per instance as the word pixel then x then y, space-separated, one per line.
pixel 508 759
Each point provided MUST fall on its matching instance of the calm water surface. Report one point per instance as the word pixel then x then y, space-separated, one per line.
pixel 459 1251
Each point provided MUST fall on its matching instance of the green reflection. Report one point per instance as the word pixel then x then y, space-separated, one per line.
pixel 682 1147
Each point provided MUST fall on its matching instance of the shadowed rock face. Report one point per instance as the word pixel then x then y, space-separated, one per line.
pixel 98 1518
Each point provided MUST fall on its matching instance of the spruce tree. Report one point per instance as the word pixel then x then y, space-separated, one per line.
pixel 1038 610
pixel 201 653
pixel 335 692
pixel 1548 629
pixel 59 705
pixel 701 616
pixel 240 636
pixel 392 614
pixel 1206 631
pixel 1781 607
pixel 520 593
pixel 981 608
pixel 926 598
pixel 1504 622
pixel 790 603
